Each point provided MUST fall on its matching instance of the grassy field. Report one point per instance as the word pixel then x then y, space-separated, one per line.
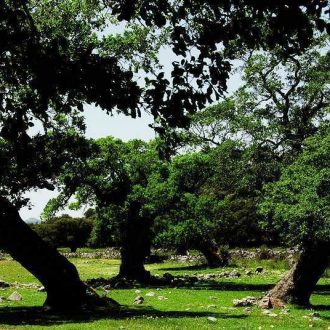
pixel 169 308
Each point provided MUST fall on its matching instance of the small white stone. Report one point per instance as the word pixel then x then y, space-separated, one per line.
pixel 212 319
pixel 15 296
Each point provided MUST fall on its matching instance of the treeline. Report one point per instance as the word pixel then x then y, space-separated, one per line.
pixel 196 201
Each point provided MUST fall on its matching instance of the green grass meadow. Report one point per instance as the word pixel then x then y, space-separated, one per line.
pixel 170 307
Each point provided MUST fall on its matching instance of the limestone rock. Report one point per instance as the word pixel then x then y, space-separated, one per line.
pixel 270 302
pixel 15 296
pixel 138 300
pixel 245 302
pixel 212 319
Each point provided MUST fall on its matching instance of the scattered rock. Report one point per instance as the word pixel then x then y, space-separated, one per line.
pixel 212 319
pixel 138 300
pixel 245 302
pixel 15 296
pixel 234 273
pixel 150 294
pixel 42 289
pixel 265 303
pixel 259 270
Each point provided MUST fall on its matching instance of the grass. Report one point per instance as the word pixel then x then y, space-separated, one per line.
pixel 180 308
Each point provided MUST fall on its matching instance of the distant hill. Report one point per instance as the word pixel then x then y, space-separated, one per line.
pixel 32 220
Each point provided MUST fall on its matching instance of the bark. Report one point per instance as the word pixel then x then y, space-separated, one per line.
pixel 210 251
pixel 297 286
pixel 136 245
pixel 60 278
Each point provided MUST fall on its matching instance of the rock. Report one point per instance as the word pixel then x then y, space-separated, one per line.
pixel 212 319
pixel 315 314
pixel 248 273
pixel 42 289
pixel 15 296
pixel 138 300
pixel 150 294
pixel 270 302
pixel 211 306
pixel 259 270
pixel 245 302
pixel 162 298
pixel 234 273
pixel 4 284
pixel 265 303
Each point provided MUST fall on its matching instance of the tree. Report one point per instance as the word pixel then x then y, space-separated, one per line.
pixel 281 102
pixel 65 231
pixel 184 211
pixel 48 73
pixel 115 180
pixel 298 206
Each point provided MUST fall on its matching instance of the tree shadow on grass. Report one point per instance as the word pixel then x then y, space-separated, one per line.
pixel 323 289
pixel 37 316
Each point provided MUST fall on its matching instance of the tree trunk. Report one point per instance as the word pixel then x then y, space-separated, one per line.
pixel 135 248
pixel 210 251
pixel 297 286
pixel 60 278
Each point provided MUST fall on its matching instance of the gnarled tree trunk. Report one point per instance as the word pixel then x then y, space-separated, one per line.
pixel 60 278
pixel 210 250
pixel 135 248
pixel 297 286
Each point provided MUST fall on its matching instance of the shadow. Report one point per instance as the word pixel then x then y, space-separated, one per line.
pixel 186 282
pixel 320 308
pixel 37 316
pixel 322 289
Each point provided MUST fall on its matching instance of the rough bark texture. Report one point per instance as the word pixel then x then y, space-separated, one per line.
pixel 297 286
pixel 211 252
pixel 60 278
pixel 135 246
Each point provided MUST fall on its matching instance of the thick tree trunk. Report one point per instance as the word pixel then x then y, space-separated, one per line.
pixel 60 278
pixel 210 251
pixel 135 248
pixel 297 286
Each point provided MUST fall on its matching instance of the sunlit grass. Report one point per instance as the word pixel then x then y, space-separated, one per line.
pixel 169 308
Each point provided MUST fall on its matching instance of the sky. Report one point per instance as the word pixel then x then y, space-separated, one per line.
pixel 99 124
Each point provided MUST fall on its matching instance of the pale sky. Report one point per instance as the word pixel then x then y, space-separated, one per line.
pixel 99 124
